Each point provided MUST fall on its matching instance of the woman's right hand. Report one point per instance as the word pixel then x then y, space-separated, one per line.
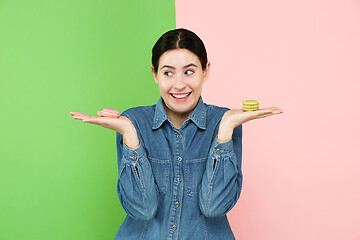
pixel 121 124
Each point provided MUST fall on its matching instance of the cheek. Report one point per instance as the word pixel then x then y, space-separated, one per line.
pixel 196 86
pixel 164 87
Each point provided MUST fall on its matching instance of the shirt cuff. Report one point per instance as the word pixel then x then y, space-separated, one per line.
pixel 133 156
pixel 221 150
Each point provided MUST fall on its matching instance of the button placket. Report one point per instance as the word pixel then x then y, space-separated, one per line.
pixel 179 158
pixel 178 180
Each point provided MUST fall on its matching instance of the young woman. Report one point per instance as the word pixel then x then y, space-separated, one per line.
pixel 180 159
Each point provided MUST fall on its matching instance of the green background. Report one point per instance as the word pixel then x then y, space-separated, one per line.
pixel 58 175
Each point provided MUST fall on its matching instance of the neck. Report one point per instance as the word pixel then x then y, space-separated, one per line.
pixel 177 119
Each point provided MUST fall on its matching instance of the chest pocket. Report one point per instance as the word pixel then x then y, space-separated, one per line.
pixel 194 171
pixel 160 169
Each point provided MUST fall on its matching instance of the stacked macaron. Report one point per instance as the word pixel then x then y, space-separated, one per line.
pixel 250 105
pixel 108 112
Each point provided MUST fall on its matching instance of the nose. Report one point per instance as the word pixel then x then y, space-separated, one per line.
pixel 179 83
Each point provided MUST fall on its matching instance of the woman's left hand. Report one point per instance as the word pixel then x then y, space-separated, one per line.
pixel 236 117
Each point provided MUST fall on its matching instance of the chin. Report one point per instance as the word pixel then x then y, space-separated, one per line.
pixel 181 107
pixel 184 109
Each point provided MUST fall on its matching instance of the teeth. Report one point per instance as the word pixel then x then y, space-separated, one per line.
pixel 180 95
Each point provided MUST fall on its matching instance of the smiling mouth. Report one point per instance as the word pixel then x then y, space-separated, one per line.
pixel 180 96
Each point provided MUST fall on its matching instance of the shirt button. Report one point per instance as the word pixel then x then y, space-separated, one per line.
pixel 174 227
pixel 177 204
pixel 179 179
pixel 218 151
pixel 179 159
pixel 179 136
pixel 134 158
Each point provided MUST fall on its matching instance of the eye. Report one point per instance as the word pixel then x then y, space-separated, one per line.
pixel 168 73
pixel 188 72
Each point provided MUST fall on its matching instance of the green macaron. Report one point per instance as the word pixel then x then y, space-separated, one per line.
pixel 250 105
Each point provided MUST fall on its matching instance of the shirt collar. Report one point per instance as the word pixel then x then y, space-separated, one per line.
pixel 198 116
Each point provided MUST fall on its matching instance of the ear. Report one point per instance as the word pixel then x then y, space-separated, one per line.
pixel 154 74
pixel 207 71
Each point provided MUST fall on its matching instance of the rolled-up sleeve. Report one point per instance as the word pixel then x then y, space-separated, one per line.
pixel 136 187
pixel 222 180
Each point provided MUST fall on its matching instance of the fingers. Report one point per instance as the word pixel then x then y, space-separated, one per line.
pixel 99 113
pixel 94 120
pixel 266 112
pixel 78 115
pixel 91 120
pixel 265 115
pixel 275 110
pixel 74 112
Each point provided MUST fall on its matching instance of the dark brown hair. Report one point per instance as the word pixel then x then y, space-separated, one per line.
pixel 179 38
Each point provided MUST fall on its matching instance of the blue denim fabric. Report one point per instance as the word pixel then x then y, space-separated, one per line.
pixel 178 184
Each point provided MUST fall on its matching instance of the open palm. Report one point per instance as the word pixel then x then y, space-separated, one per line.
pixel 117 124
pixel 239 116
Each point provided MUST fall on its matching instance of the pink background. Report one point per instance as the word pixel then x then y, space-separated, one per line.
pixel 301 168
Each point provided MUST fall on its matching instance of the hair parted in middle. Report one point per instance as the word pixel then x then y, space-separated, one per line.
pixel 179 38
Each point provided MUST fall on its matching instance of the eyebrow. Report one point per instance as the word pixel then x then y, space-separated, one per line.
pixel 189 65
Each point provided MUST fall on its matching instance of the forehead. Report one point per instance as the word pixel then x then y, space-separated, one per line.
pixel 178 57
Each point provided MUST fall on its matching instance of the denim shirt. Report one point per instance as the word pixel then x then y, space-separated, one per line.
pixel 178 184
